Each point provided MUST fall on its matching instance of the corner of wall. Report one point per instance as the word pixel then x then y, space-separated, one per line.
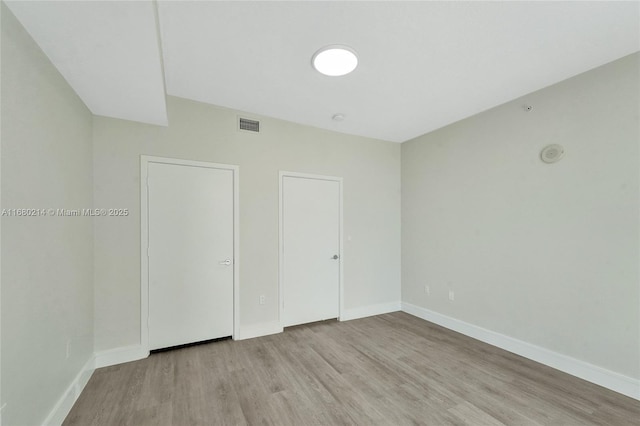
pixel 63 406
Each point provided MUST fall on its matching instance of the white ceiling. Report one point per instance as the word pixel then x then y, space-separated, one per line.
pixel 108 51
pixel 423 65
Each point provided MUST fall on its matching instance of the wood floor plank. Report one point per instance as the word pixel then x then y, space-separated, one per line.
pixel 392 369
pixel 474 416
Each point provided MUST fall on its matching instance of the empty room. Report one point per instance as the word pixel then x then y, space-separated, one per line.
pixel 319 213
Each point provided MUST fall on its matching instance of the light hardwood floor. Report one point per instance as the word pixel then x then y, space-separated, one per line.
pixel 391 369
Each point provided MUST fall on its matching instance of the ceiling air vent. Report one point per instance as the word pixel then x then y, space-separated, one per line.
pixel 248 125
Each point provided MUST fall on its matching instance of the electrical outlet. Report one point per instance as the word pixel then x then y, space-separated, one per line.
pixel 263 299
pixel 427 290
pixel 452 295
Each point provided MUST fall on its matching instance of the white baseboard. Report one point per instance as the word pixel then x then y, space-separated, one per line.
pixel 258 330
pixel 592 373
pixel 274 327
pixel 100 359
pixel 65 403
pixel 369 311
pixel 120 355
pixel 611 380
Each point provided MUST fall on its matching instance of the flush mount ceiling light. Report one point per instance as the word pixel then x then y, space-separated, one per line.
pixel 335 60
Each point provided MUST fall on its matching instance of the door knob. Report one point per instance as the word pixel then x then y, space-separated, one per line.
pixel 225 262
pixel 335 256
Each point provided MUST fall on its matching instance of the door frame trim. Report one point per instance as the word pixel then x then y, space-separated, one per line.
pixel 145 160
pixel 282 175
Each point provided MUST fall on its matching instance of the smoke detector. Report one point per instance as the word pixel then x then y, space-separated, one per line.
pixel 552 153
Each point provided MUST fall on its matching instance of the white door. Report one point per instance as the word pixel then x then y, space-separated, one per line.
pixel 310 245
pixel 190 254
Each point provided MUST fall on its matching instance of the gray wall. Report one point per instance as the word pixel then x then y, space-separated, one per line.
pixel 371 172
pixel 47 262
pixel 545 253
